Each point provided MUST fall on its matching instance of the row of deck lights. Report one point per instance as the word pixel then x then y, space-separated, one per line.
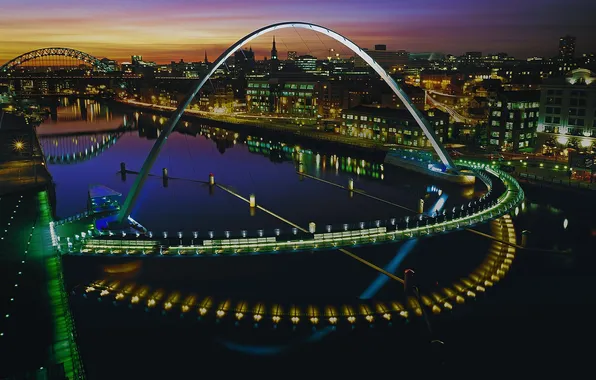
pixel 23 262
pixel 497 265
pixel 294 230
pixel 312 225
pixel 296 247
pixel 313 315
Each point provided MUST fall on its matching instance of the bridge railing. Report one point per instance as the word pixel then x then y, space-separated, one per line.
pixel 487 207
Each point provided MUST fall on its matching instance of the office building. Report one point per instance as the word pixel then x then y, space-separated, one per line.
pixel 306 63
pixel 392 126
pixel 568 112
pixel 512 121
pixel 293 95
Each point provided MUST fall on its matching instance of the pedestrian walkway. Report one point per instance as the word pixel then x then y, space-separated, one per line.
pixel 37 338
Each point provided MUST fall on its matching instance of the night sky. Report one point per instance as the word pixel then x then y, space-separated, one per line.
pixel 172 29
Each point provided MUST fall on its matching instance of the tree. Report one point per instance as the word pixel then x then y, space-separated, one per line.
pixel 480 135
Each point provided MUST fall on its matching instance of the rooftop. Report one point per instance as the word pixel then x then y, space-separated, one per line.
pixel 574 77
pixel 99 191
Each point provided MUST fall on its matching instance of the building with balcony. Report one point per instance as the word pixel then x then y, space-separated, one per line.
pixel 292 95
pixel 568 112
pixel 392 126
pixel 512 120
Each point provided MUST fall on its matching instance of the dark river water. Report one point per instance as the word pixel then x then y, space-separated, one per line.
pixel 251 163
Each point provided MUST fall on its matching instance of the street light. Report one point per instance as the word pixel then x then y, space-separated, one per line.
pixel 18 145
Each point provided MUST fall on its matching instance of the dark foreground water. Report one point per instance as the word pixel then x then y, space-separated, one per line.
pixel 525 313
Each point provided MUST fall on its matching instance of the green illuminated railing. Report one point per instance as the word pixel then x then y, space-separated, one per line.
pixel 64 349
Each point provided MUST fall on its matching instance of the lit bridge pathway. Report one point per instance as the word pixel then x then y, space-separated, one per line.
pixel 207 308
pixel 93 242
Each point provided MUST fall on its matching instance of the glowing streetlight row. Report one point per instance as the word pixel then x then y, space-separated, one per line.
pixel 492 270
pixel 23 262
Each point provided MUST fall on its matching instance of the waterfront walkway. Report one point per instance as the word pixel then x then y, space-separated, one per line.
pixel 36 331
pixel 275 124
pixel 22 164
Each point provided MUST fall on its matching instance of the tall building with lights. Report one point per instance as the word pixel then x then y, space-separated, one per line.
pixel 568 112
pixel 306 63
pixel 291 94
pixel 396 126
pixel 244 64
pixel 512 121
pixel 567 47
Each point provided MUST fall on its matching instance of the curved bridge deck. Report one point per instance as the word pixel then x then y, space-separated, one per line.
pixel 93 243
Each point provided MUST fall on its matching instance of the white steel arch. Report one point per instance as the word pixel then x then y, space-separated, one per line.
pixel 422 122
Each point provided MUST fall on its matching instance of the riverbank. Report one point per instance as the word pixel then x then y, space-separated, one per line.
pixel 37 334
pixel 22 163
pixel 277 125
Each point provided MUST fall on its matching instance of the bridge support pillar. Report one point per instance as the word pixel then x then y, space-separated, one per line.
pixel 211 179
pixel 408 287
pixel 408 281
pixel 351 184
pixel 253 201
pixel 312 227
pixel 524 238
pixel 164 172
pixel 421 206
pixel 123 171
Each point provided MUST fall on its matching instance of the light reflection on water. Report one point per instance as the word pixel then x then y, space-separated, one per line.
pixel 246 163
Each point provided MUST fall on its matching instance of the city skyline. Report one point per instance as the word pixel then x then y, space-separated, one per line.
pixel 185 30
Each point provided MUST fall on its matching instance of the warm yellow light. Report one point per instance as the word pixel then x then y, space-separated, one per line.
pixel 18 145
pixel 562 140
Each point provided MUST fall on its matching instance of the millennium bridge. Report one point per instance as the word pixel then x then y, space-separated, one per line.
pixel 116 234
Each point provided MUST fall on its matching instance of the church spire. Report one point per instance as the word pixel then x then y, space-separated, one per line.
pixel 206 60
pixel 273 50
